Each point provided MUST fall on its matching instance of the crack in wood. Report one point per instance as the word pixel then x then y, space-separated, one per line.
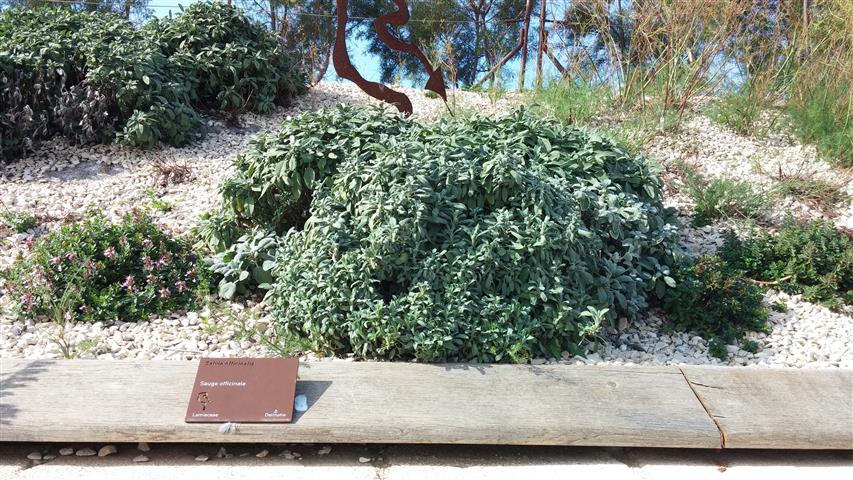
pixel 705 407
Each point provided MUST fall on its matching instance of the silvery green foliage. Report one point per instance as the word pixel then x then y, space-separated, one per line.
pixel 467 239
pixel 246 264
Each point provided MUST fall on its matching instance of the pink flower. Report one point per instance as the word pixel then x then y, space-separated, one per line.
pixel 26 301
pixel 123 240
pixel 85 309
pixel 181 286
pixel 147 243
pixel 128 283
pixel 71 256
pixel 147 263
pixel 164 292
pixel 54 261
pixel 151 279
pixel 110 253
pixel 135 215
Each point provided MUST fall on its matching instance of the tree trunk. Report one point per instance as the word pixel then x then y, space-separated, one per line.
pixel 524 36
pixel 515 49
pixel 541 49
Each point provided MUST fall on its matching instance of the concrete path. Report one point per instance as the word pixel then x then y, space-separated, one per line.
pixel 177 461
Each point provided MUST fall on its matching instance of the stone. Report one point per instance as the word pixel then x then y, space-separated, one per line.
pixel 143 447
pixel 34 456
pixel 363 460
pixel 140 459
pixel 107 450
pixel 202 458
pixel 86 452
pixel 221 453
pixel 300 403
pixel 263 453
pixel 325 450
pixel 66 451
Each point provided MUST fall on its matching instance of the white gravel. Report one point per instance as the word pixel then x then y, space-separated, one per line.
pixel 62 181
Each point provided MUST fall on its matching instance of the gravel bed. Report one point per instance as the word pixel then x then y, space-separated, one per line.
pixel 60 182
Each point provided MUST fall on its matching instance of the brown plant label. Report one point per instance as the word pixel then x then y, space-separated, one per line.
pixel 247 390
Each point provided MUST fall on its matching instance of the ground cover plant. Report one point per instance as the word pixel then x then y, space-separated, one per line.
pixel 93 77
pixel 470 238
pixel 813 259
pixel 716 300
pixel 96 270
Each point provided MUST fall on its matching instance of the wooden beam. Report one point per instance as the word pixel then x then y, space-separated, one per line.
pixel 364 402
pixel 770 408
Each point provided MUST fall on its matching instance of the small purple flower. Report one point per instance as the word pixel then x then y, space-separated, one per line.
pixel 128 283
pixel 181 286
pixel 135 215
pixel 164 292
pixel 85 309
pixel 147 263
pixel 123 240
pixel 71 256
pixel 110 253
pixel 54 261
pixel 147 243
pixel 26 301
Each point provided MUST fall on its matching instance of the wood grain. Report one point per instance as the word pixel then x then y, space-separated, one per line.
pixel 778 408
pixel 368 402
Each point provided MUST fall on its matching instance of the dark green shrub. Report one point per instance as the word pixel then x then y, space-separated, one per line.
pixel 99 271
pixel 814 259
pixel 92 77
pixel 715 300
pixel 89 76
pixel 233 62
pixel 468 239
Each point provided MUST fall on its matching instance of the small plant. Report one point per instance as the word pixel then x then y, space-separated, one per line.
pixel 430 94
pixel 749 345
pixel 813 259
pixel 716 301
pixel 19 222
pixel 158 203
pixel 247 264
pixel 171 173
pixel 99 271
pixel 824 194
pixel 721 197
pixel 779 306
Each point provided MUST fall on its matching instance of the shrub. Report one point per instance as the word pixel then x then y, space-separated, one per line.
pixel 814 259
pixel 88 76
pixel 247 264
pixel 232 62
pixel 99 271
pixel 715 300
pixel 467 239
pixel 92 77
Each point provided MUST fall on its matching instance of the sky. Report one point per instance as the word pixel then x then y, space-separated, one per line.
pixel 366 63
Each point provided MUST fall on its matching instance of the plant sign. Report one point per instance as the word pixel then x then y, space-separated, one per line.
pixel 248 390
pixel 345 68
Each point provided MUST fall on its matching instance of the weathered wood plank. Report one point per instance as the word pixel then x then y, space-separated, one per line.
pixel 776 408
pixel 127 401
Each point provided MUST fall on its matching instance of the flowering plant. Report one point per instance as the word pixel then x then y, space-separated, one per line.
pixel 102 271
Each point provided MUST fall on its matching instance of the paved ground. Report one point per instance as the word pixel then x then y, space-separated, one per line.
pixel 423 462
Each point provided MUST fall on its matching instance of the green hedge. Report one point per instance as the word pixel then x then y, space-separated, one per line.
pixel 468 239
